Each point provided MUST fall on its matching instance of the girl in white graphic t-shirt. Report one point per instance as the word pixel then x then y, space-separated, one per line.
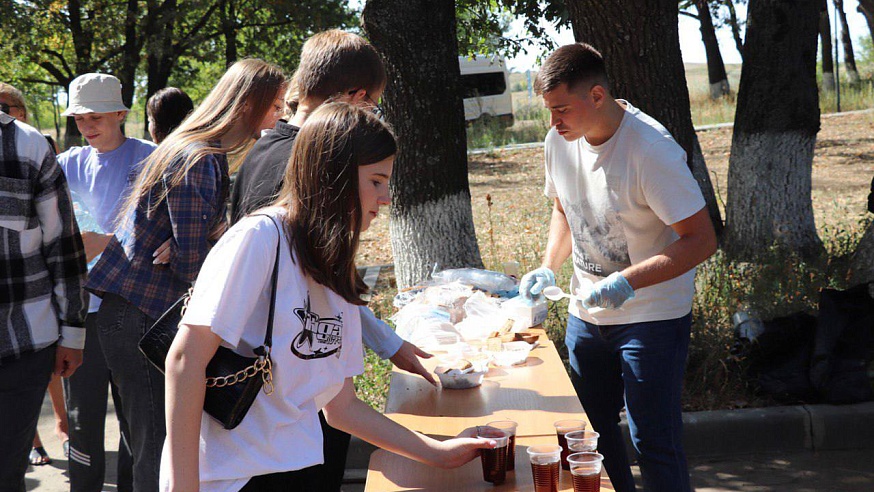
pixel 335 182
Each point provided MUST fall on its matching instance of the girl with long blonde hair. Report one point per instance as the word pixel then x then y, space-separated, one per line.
pixel 178 201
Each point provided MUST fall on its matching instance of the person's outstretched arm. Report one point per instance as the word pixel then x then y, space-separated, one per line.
pixel 349 414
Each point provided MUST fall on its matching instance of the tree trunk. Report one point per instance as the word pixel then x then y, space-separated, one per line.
pixel 862 261
pixel 847 43
pixel 735 27
pixel 130 54
pixel 160 55
pixel 228 17
pixel 777 119
pixel 640 43
pixel 828 64
pixel 715 66
pixel 431 218
pixel 866 8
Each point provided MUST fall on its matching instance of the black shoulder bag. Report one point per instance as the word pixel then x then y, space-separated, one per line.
pixel 232 380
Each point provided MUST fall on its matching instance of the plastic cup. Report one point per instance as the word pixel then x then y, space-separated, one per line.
pixel 509 427
pixel 582 441
pixel 494 460
pixel 545 460
pixel 562 427
pixel 586 471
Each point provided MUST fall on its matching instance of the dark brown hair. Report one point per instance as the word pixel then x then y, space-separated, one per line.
pixel 572 64
pixel 168 107
pixel 335 61
pixel 320 192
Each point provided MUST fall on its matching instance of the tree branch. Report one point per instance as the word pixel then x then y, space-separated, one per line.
pixel 689 14
pixel 63 61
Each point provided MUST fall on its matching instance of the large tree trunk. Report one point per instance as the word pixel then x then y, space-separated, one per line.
pixel 431 218
pixel 160 55
pixel 735 27
pixel 825 38
pixel 640 42
pixel 715 66
pixel 130 54
pixel 769 173
pixel 866 8
pixel 228 18
pixel 847 43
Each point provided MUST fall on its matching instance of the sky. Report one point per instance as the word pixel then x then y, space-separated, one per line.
pixel 690 38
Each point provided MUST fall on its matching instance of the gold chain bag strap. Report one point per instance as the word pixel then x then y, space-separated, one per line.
pixel 233 380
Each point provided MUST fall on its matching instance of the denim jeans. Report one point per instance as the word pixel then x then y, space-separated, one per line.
pixel 23 384
pixel 120 325
pixel 639 366
pixel 86 394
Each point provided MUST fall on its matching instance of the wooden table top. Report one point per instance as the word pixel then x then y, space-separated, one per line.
pixel 391 472
pixel 534 395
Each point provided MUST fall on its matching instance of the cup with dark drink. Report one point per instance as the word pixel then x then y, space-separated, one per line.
pixel 582 441
pixel 586 471
pixel 509 427
pixel 562 427
pixel 494 460
pixel 545 460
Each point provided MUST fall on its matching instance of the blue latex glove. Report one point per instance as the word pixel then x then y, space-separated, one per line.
pixel 609 293
pixel 535 281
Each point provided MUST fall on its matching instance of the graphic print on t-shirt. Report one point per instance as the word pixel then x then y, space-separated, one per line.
pixel 600 245
pixel 320 337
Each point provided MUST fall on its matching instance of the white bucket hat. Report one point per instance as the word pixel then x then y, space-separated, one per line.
pixel 94 93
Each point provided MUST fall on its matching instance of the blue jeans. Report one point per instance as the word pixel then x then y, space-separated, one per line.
pixel 639 366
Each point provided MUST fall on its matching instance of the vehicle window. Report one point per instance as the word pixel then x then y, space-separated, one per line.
pixel 483 84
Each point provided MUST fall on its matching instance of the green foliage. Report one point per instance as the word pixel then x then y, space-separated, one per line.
pixel 482 26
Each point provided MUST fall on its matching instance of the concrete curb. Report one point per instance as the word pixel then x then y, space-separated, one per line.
pixel 745 431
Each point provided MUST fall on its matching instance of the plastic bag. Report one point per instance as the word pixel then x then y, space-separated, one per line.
pixel 425 326
pixel 487 280
pixel 483 316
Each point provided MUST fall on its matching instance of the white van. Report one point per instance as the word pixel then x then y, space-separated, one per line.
pixel 485 86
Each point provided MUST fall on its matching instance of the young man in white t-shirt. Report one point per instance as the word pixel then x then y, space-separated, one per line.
pixel 628 211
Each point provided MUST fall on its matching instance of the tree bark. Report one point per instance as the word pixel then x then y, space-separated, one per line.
pixel 640 43
pixel 825 38
pixel 735 27
pixel 130 54
pixel 715 66
pixel 431 217
pixel 769 173
pixel 228 19
pixel 847 44
pixel 866 8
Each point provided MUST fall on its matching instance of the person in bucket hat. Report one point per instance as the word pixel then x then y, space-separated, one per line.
pixel 98 176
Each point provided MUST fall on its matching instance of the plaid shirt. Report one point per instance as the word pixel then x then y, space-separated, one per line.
pixel 191 210
pixel 42 258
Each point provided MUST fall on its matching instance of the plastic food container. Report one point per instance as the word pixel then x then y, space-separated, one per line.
pixel 454 380
pixel 514 353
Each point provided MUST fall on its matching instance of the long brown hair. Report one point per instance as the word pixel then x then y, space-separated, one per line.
pixel 238 100
pixel 320 192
